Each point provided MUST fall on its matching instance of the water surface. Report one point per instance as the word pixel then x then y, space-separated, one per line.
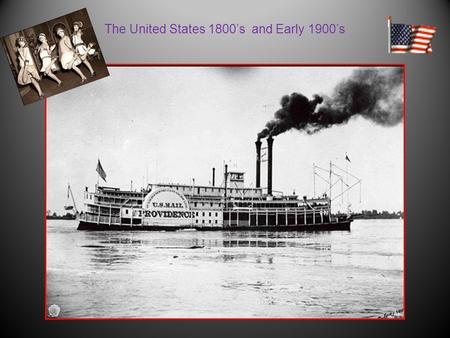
pixel 226 274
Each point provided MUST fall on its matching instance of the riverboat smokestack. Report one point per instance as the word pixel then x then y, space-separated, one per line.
pixel 213 177
pixel 269 164
pixel 258 163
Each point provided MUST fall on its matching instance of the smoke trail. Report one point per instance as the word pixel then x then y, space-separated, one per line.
pixel 374 94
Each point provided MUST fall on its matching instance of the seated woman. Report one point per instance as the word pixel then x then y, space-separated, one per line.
pixel 67 56
pixel 48 63
pixel 80 47
pixel 28 72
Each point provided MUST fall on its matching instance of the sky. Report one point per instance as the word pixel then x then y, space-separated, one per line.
pixel 173 124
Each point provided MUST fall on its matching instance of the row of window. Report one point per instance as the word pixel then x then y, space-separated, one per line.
pixel 210 204
pixel 116 200
pixel 203 221
pixel 203 214
pixel 121 194
pixel 119 201
pixel 218 190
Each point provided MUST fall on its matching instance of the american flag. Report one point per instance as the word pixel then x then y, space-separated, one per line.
pixel 411 38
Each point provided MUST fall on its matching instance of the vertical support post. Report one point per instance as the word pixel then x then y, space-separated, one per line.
pixel 389 33
pixel 226 183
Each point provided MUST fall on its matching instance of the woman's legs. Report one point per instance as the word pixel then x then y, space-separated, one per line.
pixel 54 77
pixel 87 63
pixel 78 71
pixel 36 85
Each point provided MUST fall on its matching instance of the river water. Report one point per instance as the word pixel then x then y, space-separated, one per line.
pixel 357 273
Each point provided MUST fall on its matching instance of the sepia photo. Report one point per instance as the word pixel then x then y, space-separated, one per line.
pixel 55 56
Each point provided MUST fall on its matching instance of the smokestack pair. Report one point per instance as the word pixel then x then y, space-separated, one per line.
pixel 269 164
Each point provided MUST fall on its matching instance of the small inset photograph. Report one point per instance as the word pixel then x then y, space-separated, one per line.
pixel 55 56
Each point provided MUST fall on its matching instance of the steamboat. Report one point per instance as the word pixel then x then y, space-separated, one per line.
pixel 230 206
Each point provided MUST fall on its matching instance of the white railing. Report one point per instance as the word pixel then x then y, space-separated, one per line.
pixel 279 211
pixel 100 219
pixel 116 204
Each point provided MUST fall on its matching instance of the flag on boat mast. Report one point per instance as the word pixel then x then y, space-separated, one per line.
pixel 100 171
pixel 347 158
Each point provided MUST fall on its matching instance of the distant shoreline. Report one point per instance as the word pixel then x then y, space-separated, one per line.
pixel 377 217
pixel 61 217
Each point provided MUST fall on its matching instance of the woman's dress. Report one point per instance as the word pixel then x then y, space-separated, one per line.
pixel 45 53
pixel 67 55
pixel 28 69
pixel 80 46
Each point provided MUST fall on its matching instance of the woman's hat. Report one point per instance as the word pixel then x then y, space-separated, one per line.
pixel 59 27
pixel 78 23
pixel 21 38
pixel 41 35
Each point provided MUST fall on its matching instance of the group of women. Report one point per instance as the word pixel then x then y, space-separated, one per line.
pixel 72 51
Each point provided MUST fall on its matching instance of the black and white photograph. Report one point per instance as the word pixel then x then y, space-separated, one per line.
pixel 54 56
pixel 222 191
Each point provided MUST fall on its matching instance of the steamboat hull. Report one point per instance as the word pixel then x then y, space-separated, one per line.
pixel 334 226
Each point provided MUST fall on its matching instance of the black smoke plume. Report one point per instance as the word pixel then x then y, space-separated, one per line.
pixel 374 94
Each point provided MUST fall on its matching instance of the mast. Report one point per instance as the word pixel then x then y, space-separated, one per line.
pixel 330 190
pixel 98 174
pixel 73 199
pixel 330 180
pixel 314 180
pixel 346 181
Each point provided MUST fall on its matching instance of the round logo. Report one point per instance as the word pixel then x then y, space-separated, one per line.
pixel 166 206
pixel 54 310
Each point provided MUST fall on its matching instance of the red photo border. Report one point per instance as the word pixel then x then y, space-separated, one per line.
pixel 46 317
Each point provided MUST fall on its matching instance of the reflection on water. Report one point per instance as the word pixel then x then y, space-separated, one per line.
pixel 276 244
pixel 226 274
